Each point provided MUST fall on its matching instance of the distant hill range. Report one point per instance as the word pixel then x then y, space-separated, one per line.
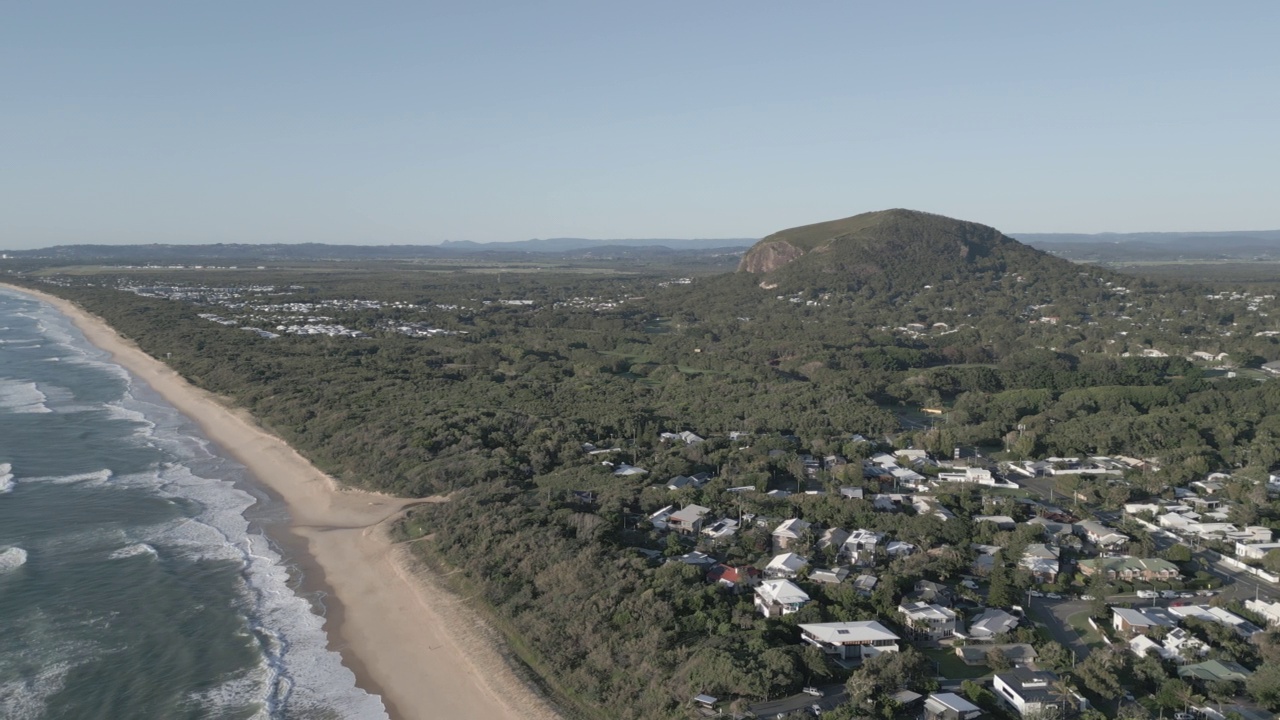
pixel 1159 247
pixel 570 244
pixel 244 252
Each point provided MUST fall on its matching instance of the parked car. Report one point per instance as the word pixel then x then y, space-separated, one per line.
pixel 1033 593
pixel 816 692
pixel 1053 596
pixel 1206 593
pixel 1087 598
pixel 1148 594
pixel 1183 716
pixel 1178 603
pixel 1186 595
pixel 1168 594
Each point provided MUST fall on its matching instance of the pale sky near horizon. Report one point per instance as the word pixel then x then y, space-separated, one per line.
pixel 420 122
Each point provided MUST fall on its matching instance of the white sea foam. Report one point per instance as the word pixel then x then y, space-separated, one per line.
pixel 97 477
pixel 12 559
pixel 6 478
pixel 144 428
pixel 19 396
pixel 298 671
pixel 297 675
pixel 25 698
pixel 135 550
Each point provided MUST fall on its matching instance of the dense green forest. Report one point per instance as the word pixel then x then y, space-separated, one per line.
pixel 1028 355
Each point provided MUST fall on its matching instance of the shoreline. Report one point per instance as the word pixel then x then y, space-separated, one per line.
pixel 418 647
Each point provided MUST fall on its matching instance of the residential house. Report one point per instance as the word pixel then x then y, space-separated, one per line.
pixel 1032 692
pixel 850 640
pixel 625 470
pixel 1052 528
pixel 1215 671
pixel 865 585
pixel 1003 522
pixel 853 493
pixel 929 505
pixel 1256 551
pixel 1178 646
pixel 721 529
pixel 1130 569
pixel 1208 613
pixel 890 502
pixel 1141 508
pixel 927 591
pixel 989 624
pixel 733 578
pixel 697 559
pixel 928 622
pixel 659 519
pixel 1140 621
pixel 1101 535
pixel 985 559
pixel 860 548
pixel 688 520
pixel 685 437
pixel 898 548
pixel 1251 535
pixel 833 540
pixel 786 565
pixel 775 598
pixel 789 533
pixel 977 476
pixel 830 576
pixel 1267 609
pixel 950 706
pixel 681 482
pixel 1042 561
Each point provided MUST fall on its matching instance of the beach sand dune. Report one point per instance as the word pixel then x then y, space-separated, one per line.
pixel 422 649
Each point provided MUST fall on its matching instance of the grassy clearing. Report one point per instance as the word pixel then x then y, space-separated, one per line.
pixel 1080 623
pixel 952 667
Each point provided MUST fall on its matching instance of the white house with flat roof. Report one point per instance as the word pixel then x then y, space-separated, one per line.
pixel 850 640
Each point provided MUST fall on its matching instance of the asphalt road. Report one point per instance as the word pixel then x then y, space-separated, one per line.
pixel 832 696
pixel 1053 614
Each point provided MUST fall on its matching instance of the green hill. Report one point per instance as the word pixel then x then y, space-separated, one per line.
pixel 898 248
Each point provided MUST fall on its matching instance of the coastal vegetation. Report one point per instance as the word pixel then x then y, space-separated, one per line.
pixel 833 349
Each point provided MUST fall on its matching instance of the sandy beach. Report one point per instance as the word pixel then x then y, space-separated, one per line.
pixel 421 649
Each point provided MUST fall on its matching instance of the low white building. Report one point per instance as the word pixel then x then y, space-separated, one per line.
pixel 1255 551
pixel 1267 609
pixel 1031 692
pixel 927 621
pixel 789 532
pixel 786 565
pixel 850 640
pixel 775 598
pixel 860 547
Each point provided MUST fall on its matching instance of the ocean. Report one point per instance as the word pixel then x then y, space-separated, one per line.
pixel 136 576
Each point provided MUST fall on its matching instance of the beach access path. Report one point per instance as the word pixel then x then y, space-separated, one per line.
pixel 422 649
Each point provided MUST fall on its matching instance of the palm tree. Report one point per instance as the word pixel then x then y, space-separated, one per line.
pixel 1062 686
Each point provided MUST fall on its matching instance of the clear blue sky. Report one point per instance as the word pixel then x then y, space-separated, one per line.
pixel 420 122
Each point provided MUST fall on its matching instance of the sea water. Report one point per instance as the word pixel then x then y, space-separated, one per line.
pixel 135 577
